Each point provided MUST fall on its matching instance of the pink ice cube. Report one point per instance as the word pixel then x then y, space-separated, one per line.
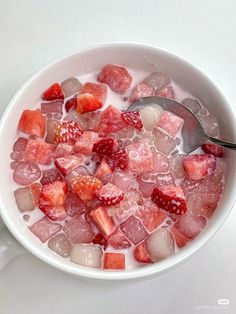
pixel 44 229
pixel 63 150
pixel 157 80
pixel 170 123
pixel 71 86
pixel 141 90
pixel 54 106
pixel 50 175
pixel 74 205
pixel 161 163
pixel 84 145
pixel 20 144
pixel 164 179
pixel 163 142
pixel 190 225
pixel 50 135
pixel 176 166
pixel 24 199
pixel 89 255
pixel 134 230
pixel 60 245
pixel 128 205
pixel 122 179
pixel 78 230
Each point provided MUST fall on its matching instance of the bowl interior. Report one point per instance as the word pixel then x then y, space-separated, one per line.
pixel 137 57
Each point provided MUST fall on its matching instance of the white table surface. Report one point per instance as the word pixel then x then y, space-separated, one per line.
pixel 32 33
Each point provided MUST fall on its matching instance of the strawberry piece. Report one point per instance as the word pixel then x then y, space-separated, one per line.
pixel 67 131
pixel 71 104
pixel 141 90
pixel 166 92
pixel 103 172
pixel 85 186
pixel 114 261
pixel 84 144
pixel 104 147
pixel 199 166
pixel 101 240
pixel 87 103
pixel 118 78
pixel 36 189
pixel 132 118
pixel 171 198
pixel 39 151
pixel 110 194
pixel 53 193
pixel 74 205
pixel 104 222
pixel 95 89
pixel 118 240
pixel 66 164
pixel 170 123
pixel 32 122
pixel 134 230
pixel 180 239
pixel 141 254
pixel 118 160
pixel 212 149
pixel 53 92
pixel 53 212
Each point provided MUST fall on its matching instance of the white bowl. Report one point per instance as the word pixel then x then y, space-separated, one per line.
pixel 134 56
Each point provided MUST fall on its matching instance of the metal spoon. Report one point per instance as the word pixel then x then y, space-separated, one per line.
pixel 193 133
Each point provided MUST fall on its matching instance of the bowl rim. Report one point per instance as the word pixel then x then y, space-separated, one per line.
pixel 146 271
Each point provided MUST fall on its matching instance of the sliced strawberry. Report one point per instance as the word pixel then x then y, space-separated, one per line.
pixel 87 103
pixel 95 89
pixel 66 164
pixel 110 194
pixel 199 166
pixel 118 160
pixel 101 240
pixel 36 189
pixel 85 186
pixel 141 90
pixel 103 171
pixel 53 212
pixel 104 147
pixel 39 151
pixel 53 194
pixel 104 222
pixel 84 145
pixel 141 254
pixel 180 239
pixel 71 104
pixel 67 131
pixel 171 198
pixel 212 149
pixel 32 122
pixel 118 240
pixel 132 118
pixel 114 261
pixel 53 92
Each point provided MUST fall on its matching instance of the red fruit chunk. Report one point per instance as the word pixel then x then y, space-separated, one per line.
pixel 74 205
pixel 180 239
pixel 52 107
pixel 170 123
pixel 114 261
pixel 20 144
pixel 110 194
pixel 132 118
pixel 87 103
pixel 85 143
pixel 140 157
pixel 110 121
pixel 101 240
pixel 134 230
pixel 67 131
pixel 171 198
pixel 53 92
pixel 103 172
pixel 39 151
pixel 141 254
pixel 141 90
pixel 24 199
pixel 36 189
pixel 53 212
pixel 26 173
pixel 78 230
pixel 104 222
pixel 104 147
pixel 118 78
pixel 66 164
pixel 44 229
pixel 199 166
pixel 166 92
pixel 86 186
pixel 32 122
pixel 190 226
pixel 71 104
pixel 50 176
pixel 212 149
pixel 118 160
pixel 53 193
pixel 118 240
pixel 95 89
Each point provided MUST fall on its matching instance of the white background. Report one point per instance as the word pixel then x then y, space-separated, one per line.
pixel 33 33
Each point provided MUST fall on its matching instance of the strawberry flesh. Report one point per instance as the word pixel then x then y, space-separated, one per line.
pixel 53 92
pixel 132 118
pixel 199 166
pixel 110 194
pixel 212 149
pixel 103 221
pixel 85 186
pixel 67 131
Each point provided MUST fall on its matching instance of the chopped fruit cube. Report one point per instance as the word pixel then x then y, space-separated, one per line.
pixel 53 193
pixel 89 255
pixel 171 123
pixel 86 186
pixel 66 164
pixel 60 245
pixel 141 90
pixel 199 166
pixel 24 199
pixel 50 137
pixel 110 121
pixel 78 230
pixel 26 173
pixel 104 222
pixel 71 104
pixel 141 254
pixel 32 122
pixel 134 230
pixel 118 160
pixel 74 205
pixel 54 106
pixel 36 189
pixel 212 149
pixel 171 198
pixel 166 92
pixel 140 157
pixel 160 244
pixel 63 150
pixel 190 226
pixel 75 172
pixel 103 172
pixel 39 152
pixel 44 229
pixel 116 77
pixel 163 142
pixel 132 118
pixel 53 92
pixel 110 194
pixel 20 144
pixel 114 261
pixel 104 147
pixel 85 143
pixel 53 212
pixel 67 131
pixel 122 180
pixel 87 103
pixel 95 89
pixel 180 239
pixel 101 240
pixel 118 240
pixel 157 80
pixel 71 86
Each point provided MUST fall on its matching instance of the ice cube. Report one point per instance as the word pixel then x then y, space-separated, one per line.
pixel 20 144
pixel 24 199
pixel 74 205
pixel 170 123
pixel 71 86
pixel 118 240
pixel 122 179
pixel 134 230
pixel 60 244
pixel 190 225
pixel 150 117
pixel 74 116
pixel 45 229
pixel 164 179
pixel 210 125
pixel 146 188
pixel 78 230
pixel 17 156
pixel 176 166
pixel 163 142
pixel 50 137
pixel 128 205
pixel 192 104
pixel 220 167
pixel 157 80
pixel 89 255
pixel 161 162
pixel 54 106
pixel 50 175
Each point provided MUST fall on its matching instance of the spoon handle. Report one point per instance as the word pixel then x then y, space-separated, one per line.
pixel 222 143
